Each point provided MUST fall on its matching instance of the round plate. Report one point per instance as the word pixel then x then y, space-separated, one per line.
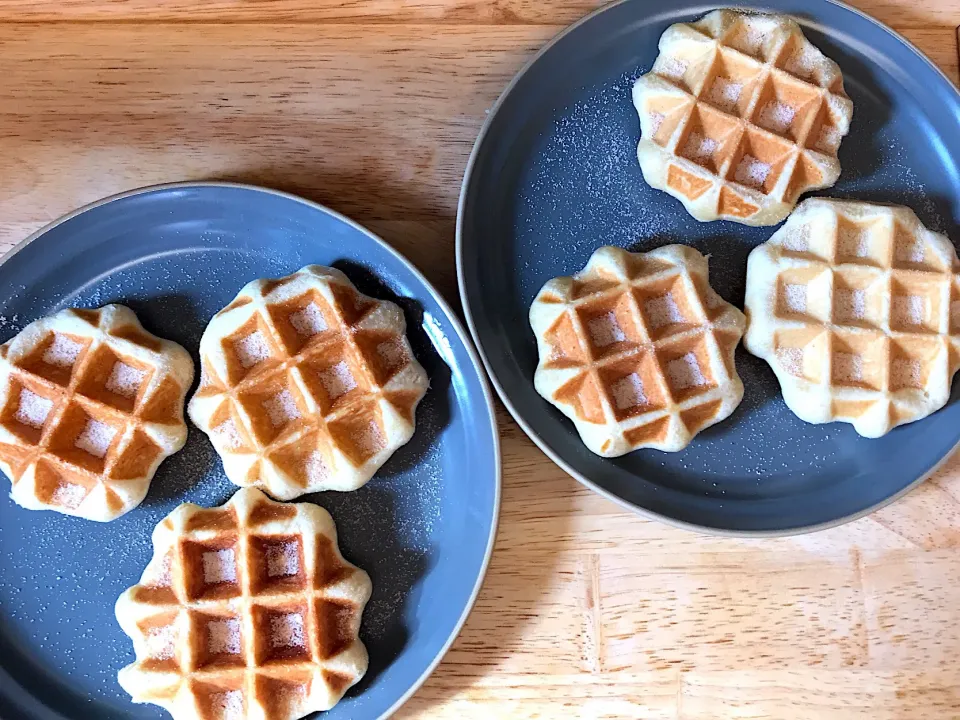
pixel 554 175
pixel 423 527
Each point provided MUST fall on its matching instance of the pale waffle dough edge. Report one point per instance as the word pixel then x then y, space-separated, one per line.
pixel 637 349
pixel 245 611
pixel 739 116
pixel 43 435
pixel 333 398
pixel 856 307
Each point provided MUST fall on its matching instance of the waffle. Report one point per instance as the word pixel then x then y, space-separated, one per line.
pixel 740 116
pixel 856 307
pixel 306 384
pixel 637 349
pixel 247 611
pixel 90 405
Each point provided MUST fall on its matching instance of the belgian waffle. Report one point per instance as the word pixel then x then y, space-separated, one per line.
pixel 637 349
pixel 306 384
pixel 740 116
pixel 90 405
pixel 857 309
pixel 247 611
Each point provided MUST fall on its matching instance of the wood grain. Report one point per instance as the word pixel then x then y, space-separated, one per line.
pixel 372 106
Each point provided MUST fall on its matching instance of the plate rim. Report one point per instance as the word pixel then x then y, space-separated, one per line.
pixel 466 339
pixel 516 413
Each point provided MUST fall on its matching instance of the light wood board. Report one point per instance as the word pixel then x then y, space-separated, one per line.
pixel 371 107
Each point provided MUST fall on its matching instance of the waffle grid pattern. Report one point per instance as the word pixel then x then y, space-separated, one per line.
pixel 740 116
pixel 246 612
pixel 90 405
pixel 857 309
pixel 637 350
pixel 307 384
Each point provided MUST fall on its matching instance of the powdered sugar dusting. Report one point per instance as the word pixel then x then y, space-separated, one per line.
pixel 125 380
pixel 316 468
pixel 337 380
pixel 777 116
pixel 829 139
pixel 847 367
pixel 228 435
pixel 662 311
pixel 909 250
pixel 852 242
pixel 604 330
pixel 228 705
pixel 791 360
pixel 308 321
pixel 69 495
pixel 223 637
pixel 96 438
pixel 370 439
pixel 162 576
pixel 219 566
pixel 62 352
pixel 656 121
pixel 287 630
pixel 281 408
pixel 251 349
pixel 672 68
pixel 283 559
pixel 752 172
pixel 908 309
pixel 795 298
pixel 685 372
pixel 699 147
pixel 160 642
pixel 628 392
pixel 802 61
pixel 32 409
pixel 797 240
pixel 905 373
pixel 850 304
pixel 725 93
pixel 391 353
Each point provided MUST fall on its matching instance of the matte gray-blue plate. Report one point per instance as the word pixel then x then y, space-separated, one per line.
pixel 554 176
pixel 423 527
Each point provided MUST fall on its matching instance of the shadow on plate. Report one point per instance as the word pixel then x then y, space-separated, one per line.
pixel 369 527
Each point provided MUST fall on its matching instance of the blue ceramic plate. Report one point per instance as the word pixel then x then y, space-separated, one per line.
pixel 554 175
pixel 423 527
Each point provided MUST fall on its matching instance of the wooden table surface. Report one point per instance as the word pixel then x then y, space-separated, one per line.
pixel 371 107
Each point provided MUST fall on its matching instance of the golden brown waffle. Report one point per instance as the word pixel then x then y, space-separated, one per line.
pixel 740 116
pixel 90 405
pixel 247 611
pixel 857 309
pixel 306 384
pixel 637 349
